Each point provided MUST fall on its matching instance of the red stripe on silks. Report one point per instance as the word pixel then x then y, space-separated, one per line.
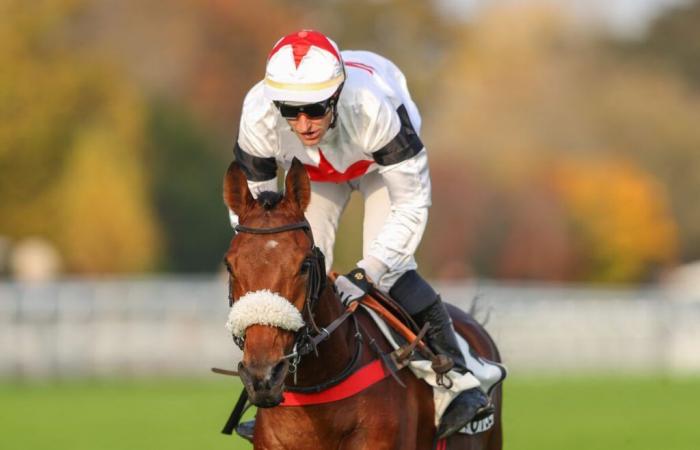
pixel 359 65
pixel 365 377
pixel 441 444
pixel 325 172
pixel 301 42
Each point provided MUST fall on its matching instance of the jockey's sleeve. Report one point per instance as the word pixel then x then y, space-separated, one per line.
pixel 261 174
pixel 255 148
pixel 403 165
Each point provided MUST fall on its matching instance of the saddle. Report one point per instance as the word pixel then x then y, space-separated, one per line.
pixel 410 350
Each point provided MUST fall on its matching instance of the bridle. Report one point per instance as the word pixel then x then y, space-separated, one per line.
pixel 315 265
pixel 308 337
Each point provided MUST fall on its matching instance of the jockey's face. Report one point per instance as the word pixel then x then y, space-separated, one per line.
pixel 310 130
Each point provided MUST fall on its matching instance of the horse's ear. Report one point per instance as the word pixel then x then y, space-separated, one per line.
pixel 237 196
pixel 297 188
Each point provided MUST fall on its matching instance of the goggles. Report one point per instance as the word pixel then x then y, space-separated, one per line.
pixel 312 110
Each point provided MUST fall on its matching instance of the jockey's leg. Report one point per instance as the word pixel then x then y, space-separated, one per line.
pixel 328 200
pixel 420 300
pixel 425 306
pixel 377 207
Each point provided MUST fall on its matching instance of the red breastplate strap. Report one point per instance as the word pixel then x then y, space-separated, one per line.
pixel 326 172
pixel 362 379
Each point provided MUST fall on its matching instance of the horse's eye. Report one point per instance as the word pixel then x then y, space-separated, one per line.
pixel 305 267
pixel 230 290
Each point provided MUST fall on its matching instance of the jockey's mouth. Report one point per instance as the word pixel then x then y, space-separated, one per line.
pixel 310 137
pixel 311 134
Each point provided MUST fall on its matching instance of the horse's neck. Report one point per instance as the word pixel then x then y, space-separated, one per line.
pixel 335 353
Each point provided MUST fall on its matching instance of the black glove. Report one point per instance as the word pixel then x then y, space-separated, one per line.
pixel 352 286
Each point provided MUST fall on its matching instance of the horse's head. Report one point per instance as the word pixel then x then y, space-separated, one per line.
pixel 270 260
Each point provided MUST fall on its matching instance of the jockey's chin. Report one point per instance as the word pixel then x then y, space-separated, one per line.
pixel 310 131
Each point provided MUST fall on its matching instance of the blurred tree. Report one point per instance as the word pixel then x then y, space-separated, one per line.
pixel 201 56
pixel 509 95
pixel 195 67
pixel 673 39
pixel 71 137
pixel 654 115
pixel 87 86
pixel 456 225
pixel 187 170
pixel 411 33
pixel 478 228
pixel 522 90
pixel 651 116
pixel 620 217
pixel 105 222
pixel 538 242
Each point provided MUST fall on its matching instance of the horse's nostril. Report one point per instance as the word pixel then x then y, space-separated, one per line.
pixel 260 384
pixel 278 371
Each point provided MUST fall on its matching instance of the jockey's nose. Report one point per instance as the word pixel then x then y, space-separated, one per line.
pixel 303 121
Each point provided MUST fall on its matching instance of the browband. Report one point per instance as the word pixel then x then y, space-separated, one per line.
pixel 304 225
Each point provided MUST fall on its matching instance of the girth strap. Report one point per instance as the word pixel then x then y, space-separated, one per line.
pixel 360 380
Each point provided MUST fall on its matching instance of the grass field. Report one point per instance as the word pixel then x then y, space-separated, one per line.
pixel 650 413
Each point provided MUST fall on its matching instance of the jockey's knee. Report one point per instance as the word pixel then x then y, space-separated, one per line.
pixel 412 292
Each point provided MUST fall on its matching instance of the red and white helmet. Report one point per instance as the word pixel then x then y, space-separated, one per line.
pixel 304 67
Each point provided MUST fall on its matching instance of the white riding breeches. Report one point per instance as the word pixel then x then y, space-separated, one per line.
pixel 328 200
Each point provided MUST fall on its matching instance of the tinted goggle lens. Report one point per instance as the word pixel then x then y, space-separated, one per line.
pixel 312 110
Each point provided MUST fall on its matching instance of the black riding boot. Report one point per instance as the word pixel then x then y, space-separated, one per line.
pixel 411 291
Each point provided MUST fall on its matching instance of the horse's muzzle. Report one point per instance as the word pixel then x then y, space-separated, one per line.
pixel 264 383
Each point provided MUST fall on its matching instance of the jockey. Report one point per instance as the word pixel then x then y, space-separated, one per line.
pixel 349 118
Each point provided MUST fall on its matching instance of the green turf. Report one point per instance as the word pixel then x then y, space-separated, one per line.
pixel 558 414
pixel 602 414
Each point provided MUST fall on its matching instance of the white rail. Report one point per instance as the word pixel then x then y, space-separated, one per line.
pixel 176 326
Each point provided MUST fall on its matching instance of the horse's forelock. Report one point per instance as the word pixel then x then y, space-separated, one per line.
pixel 269 199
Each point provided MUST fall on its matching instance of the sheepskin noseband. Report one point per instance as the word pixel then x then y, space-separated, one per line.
pixel 263 308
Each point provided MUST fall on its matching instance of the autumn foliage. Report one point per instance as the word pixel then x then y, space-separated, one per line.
pixel 556 153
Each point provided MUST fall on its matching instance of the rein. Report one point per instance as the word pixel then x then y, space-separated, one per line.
pixel 349 368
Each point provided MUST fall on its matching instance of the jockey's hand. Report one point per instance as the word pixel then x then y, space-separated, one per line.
pixel 352 286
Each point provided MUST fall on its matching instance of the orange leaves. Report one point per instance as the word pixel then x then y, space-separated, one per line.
pixel 621 216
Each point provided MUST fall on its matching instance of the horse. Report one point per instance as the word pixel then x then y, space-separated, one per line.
pixel 277 277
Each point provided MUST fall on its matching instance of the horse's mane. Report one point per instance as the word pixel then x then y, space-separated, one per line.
pixel 476 308
pixel 269 199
